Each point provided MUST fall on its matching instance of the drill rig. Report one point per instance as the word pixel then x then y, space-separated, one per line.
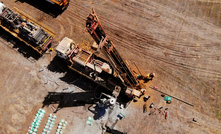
pixel 101 63
pixel 106 47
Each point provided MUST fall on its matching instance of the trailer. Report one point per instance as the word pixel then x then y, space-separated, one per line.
pixel 26 29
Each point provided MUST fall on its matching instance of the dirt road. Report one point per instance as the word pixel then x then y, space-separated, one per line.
pixel 179 40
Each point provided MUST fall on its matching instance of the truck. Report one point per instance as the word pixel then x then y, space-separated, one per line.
pixel 25 28
pixel 100 62
pixel 88 63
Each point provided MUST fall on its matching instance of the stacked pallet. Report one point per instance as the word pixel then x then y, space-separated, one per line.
pixel 49 124
pixel 61 126
pixel 37 120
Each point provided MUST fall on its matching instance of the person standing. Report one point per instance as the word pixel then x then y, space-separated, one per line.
pixel 166 113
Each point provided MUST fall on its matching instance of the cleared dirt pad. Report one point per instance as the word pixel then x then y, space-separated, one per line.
pixel 179 40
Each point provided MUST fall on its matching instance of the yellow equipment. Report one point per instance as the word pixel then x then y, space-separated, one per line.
pixel 63 3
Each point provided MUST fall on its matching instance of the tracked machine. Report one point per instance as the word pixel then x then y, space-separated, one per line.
pixel 25 28
pixel 101 62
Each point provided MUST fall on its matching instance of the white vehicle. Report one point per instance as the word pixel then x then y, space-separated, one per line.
pixel 2 7
pixel 65 47
pixel 68 50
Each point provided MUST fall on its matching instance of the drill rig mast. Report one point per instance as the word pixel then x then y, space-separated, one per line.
pixel 93 26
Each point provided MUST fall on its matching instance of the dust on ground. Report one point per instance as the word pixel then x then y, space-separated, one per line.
pixel 178 40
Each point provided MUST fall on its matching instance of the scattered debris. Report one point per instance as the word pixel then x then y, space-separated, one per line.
pixel 143 91
pixel 160 111
pixel 194 120
pixel 145 98
pixel 156 15
pixel 152 111
pixel 161 107
pixel 53 108
pixel 171 96
pixel 151 105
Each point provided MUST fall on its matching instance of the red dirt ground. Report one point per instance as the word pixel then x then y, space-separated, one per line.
pixel 179 40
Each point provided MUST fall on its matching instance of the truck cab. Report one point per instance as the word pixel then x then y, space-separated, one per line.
pixel 2 7
pixel 65 47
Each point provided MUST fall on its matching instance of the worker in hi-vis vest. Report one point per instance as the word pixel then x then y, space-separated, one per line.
pixel 146 78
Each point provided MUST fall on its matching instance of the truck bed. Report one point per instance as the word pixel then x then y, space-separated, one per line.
pixel 15 32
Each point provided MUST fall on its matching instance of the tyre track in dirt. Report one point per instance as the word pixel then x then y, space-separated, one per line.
pixel 130 32
pixel 174 14
pixel 71 27
pixel 176 55
pixel 77 14
pixel 180 66
pixel 144 39
pixel 151 39
pixel 117 27
pixel 61 33
pixel 172 76
pixel 131 39
pixel 132 45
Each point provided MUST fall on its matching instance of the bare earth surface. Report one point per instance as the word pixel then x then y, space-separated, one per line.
pixel 179 40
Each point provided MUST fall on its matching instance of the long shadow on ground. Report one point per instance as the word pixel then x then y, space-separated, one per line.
pixel 58 65
pixel 48 7
pixel 18 45
pixel 68 99
pixel 91 90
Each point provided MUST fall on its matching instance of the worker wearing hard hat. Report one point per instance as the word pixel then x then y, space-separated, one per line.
pixel 151 75
pixel 146 78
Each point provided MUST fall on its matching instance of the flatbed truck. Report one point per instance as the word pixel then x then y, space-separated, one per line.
pixel 26 29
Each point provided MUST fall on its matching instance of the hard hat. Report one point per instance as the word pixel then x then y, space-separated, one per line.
pixel 151 74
